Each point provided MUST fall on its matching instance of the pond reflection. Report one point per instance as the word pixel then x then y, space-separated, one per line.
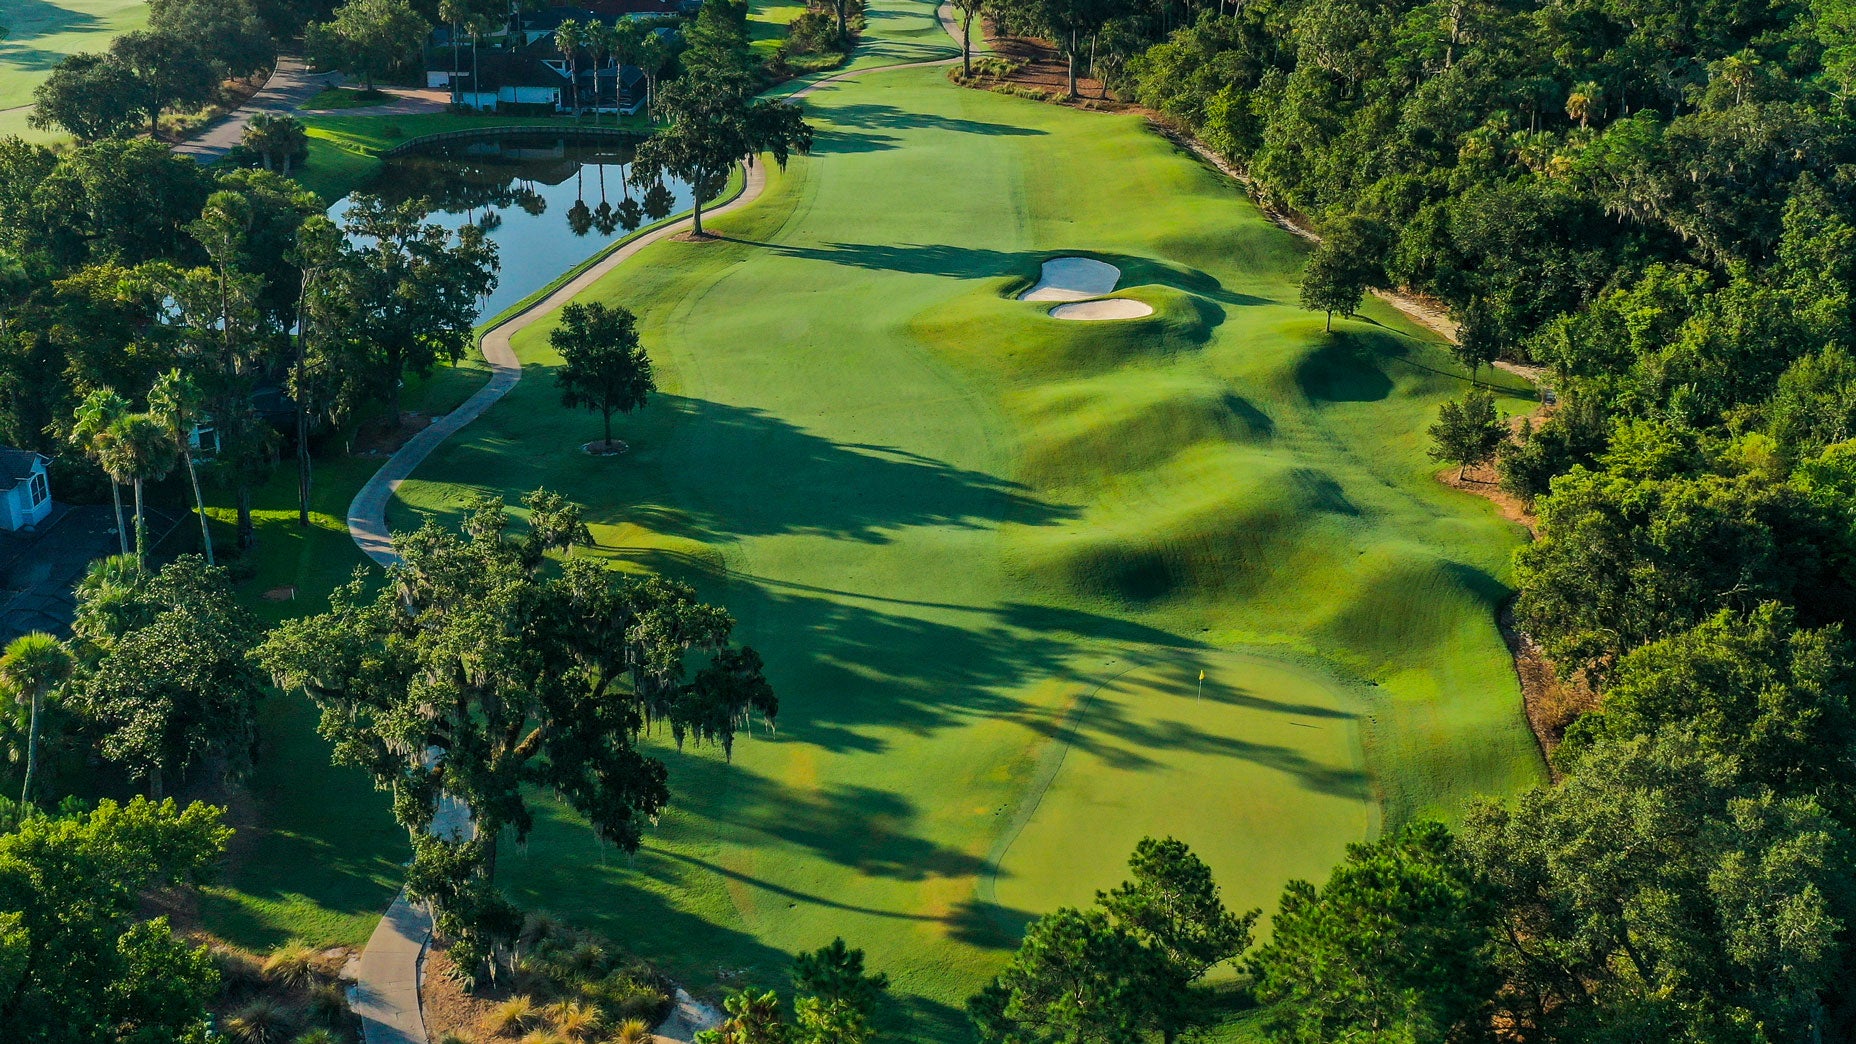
pixel 549 200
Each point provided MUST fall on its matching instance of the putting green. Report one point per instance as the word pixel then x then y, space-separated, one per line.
pixel 943 519
pixel 1157 737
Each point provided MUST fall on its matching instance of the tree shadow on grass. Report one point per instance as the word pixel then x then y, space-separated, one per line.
pixel 861 127
pixel 963 262
pixel 782 479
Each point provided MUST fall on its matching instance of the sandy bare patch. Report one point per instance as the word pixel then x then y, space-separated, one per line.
pixel 602 448
pixel 1073 279
pixel 1107 308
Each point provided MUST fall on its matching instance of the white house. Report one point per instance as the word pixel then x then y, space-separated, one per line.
pixel 25 492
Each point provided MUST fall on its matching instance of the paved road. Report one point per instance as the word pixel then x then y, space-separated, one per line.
pixel 289 86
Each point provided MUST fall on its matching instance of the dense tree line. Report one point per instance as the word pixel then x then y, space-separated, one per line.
pixel 148 301
pixel 178 62
pixel 1653 201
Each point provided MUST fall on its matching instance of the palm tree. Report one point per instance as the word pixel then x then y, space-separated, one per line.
pixel 106 597
pixel 137 448
pixel 653 52
pixel 33 666
pixel 99 410
pixel 453 13
pixel 176 402
pixel 568 36
pixel 1738 70
pixel 1583 102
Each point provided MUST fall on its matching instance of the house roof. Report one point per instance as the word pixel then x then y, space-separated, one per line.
pixel 16 466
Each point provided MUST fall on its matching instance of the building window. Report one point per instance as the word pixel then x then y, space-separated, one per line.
pixel 39 490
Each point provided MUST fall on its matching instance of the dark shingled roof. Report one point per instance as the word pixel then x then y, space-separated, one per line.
pixel 15 466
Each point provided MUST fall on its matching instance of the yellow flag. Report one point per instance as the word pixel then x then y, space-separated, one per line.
pixel 1201 675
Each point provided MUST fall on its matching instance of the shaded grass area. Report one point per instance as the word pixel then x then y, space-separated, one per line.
pixel 345 98
pixel 947 522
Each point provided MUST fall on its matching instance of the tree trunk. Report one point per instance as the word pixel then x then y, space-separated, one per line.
pixel 844 33
pixel 1330 326
pixel 1072 63
pixel 141 528
pixel 199 505
pixel 697 214
pixel 154 783
pixel 608 416
pixel 966 43
pixel 247 533
pixel 456 95
pixel 32 746
pixel 122 531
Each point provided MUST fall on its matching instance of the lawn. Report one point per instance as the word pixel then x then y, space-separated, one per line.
pixel 41 33
pixel 986 553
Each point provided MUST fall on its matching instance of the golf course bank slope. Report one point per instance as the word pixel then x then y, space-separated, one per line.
pixel 987 556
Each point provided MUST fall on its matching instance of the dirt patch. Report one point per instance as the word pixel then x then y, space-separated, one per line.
pixel 280 594
pixel 1552 703
pixel 1039 68
pixel 448 1009
pixel 602 448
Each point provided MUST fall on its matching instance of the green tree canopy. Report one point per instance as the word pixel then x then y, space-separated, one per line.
pixel 474 673
pixel 603 367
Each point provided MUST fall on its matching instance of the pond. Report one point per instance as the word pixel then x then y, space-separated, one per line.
pixel 550 200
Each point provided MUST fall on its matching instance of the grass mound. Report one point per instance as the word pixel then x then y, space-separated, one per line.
pixel 945 521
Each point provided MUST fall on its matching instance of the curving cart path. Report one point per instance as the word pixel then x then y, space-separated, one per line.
pixel 385 995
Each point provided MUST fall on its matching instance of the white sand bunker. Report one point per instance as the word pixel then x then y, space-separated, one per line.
pixel 1107 308
pixel 1078 279
pixel 1073 279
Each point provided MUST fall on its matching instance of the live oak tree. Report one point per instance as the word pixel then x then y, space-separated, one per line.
pixel 1468 431
pixel 76 963
pixel 165 677
pixel 478 674
pixel 404 299
pixel 368 36
pixel 168 71
pixel 716 120
pixel 84 96
pixel 1344 265
pixel 603 367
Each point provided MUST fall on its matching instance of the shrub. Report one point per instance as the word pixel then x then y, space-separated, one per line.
pixel 317 1036
pixel 292 964
pixel 516 1013
pixel 629 993
pixel 814 32
pixel 542 1036
pixel 455 1037
pixel 632 1031
pixel 328 1004
pixel 262 1021
pixel 576 1019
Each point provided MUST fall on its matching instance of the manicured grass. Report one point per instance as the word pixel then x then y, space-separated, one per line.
pixel 947 522
pixel 346 98
pixel 42 32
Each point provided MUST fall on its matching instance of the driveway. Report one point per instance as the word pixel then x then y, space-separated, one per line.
pixel 290 85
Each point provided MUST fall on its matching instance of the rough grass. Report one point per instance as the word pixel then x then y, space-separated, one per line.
pixel 946 520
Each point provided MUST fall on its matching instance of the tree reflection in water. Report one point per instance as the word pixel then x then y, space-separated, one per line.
pixel 548 200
